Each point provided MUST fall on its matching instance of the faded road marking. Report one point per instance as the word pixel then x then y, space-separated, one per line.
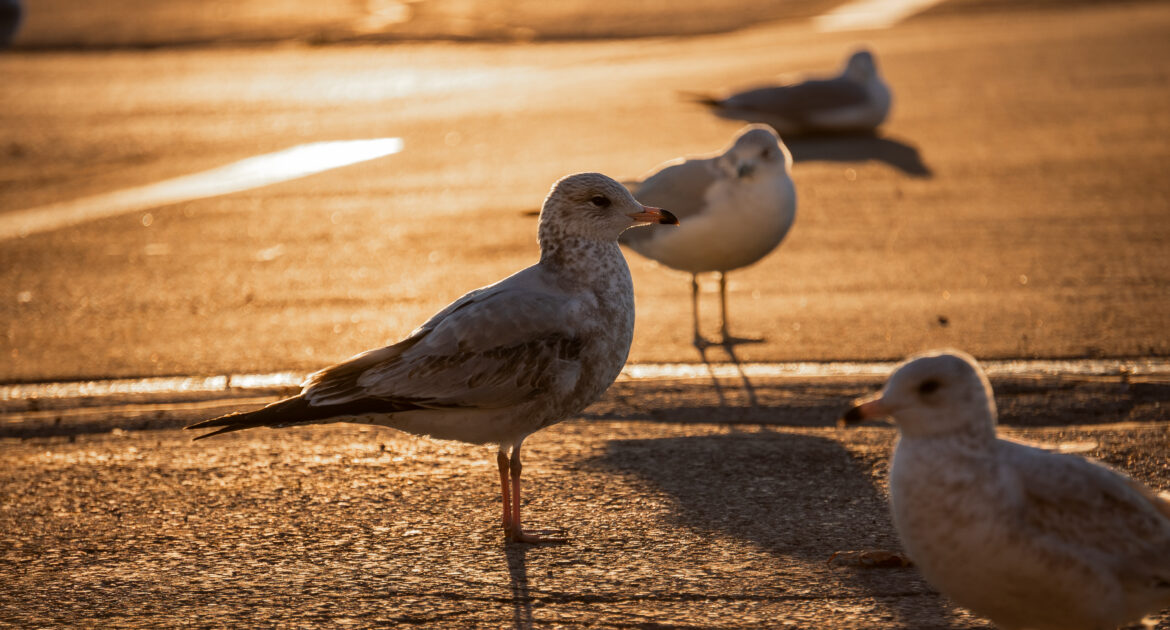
pixel 1120 368
pixel 253 172
pixel 870 14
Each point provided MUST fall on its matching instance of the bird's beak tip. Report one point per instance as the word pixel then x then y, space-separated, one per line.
pixel 851 417
pixel 654 215
pixel 861 411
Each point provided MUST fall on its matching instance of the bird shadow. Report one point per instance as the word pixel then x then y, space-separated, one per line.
pixel 859 148
pixel 748 388
pixel 737 399
pixel 516 555
pixel 798 497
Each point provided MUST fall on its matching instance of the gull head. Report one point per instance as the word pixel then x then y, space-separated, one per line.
pixel 860 67
pixel 756 153
pixel 933 393
pixel 592 206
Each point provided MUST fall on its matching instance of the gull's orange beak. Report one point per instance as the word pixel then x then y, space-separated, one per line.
pixel 864 409
pixel 654 215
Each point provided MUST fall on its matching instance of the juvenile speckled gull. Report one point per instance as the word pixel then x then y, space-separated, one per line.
pixel 856 101
pixel 1026 537
pixel 505 360
pixel 736 207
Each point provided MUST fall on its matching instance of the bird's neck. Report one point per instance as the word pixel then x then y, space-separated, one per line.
pixel 576 257
pixel 574 252
pixel 965 430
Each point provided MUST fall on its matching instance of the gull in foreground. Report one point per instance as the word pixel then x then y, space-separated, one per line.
pixel 505 360
pixel 856 101
pixel 1026 537
pixel 737 206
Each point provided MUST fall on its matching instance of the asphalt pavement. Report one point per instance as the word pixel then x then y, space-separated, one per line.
pixel 684 512
pixel 1014 206
pixel 688 503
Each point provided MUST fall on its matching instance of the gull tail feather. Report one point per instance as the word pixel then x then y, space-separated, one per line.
pixel 280 413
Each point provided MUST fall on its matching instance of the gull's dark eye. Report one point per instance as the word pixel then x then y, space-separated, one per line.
pixel 766 154
pixel 929 386
pixel 599 201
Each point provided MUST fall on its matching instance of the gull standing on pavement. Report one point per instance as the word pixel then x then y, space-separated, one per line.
pixel 1026 537
pixel 736 207
pixel 856 101
pixel 505 360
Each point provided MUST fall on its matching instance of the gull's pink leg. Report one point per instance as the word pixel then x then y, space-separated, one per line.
pixel 518 533
pixel 723 304
pixel 728 339
pixel 698 339
pixel 502 461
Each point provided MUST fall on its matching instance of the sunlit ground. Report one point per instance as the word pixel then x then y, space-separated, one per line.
pixel 1030 223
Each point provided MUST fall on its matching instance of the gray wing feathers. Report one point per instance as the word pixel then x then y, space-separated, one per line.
pixel 492 348
pixel 1086 507
pixel 338 383
pixel 798 101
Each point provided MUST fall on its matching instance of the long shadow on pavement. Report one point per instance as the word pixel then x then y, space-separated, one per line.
pixel 798 497
pixel 787 402
pixel 521 598
pixel 717 387
pixel 859 148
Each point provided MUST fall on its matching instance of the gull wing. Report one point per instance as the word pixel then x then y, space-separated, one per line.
pixel 797 102
pixel 1082 507
pixel 494 347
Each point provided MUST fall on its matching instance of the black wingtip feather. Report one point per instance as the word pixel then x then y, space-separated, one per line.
pixel 223 430
pixel 280 412
pixel 297 410
pixel 702 99
pixel 214 422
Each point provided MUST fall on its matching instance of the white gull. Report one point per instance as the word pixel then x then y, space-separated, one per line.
pixel 1026 537
pixel 504 360
pixel 736 206
pixel 855 101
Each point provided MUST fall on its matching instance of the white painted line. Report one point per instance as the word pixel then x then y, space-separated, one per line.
pixel 253 172
pixel 158 385
pixel 692 371
pixel 46 416
pixel 861 15
pixel 809 369
pixel 632 372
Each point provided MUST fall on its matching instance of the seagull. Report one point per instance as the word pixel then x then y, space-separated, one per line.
pixel 11 14
pixel 505 360
pixel 1026 537
pixel 856 101
pixel 737 206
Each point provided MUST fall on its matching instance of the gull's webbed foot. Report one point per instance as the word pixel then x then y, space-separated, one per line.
pixel 535 536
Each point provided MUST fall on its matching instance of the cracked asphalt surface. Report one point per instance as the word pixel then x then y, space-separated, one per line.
pixel 683 524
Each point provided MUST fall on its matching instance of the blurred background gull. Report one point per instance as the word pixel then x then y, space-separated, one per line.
pixel 10 16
